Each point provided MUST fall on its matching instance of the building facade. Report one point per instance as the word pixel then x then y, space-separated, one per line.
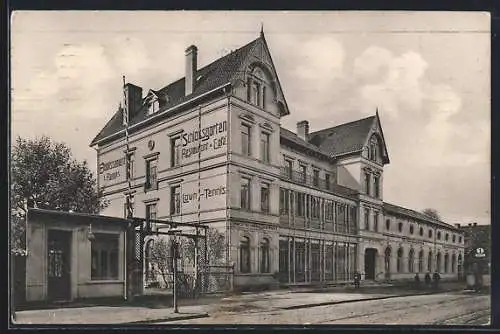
pixel 295 207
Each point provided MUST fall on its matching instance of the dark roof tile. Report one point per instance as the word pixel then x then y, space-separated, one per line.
pixel 344 138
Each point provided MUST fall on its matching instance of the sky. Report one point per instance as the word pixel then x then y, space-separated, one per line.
pixel 428 73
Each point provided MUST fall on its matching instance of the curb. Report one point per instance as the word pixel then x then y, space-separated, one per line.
pixel 295 307
pixel 169 319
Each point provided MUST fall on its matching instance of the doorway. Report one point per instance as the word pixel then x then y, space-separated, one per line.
pixel 370 258
pixel 59 265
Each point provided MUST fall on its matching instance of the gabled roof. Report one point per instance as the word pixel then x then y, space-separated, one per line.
pixel 292 137
pixel 344 138
pixel 222 71
pixel 396 209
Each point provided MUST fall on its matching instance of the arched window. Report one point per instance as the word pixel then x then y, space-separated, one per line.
pixel 439 235
pixel 264 256
pixel 400 227
pixel 387 224
pixel 387 260
pixel 399 263
pixel 421 231
pixel 260 89
pixel 438 262
pixel 446 259
pixel 411 229
pixel 453 262
pixel 430 233
pixel 429 262
pixel 421 261
pixel 374 150
pixel 447 237
pixel 148 266
pixel 245 255
pixel 454 238
pixel 411 260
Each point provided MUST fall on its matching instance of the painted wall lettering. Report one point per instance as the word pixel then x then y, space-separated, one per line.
pixel 208 138
pixel 104 166
pixel 205 193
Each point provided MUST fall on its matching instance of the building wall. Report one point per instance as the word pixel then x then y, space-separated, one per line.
pixel 82 286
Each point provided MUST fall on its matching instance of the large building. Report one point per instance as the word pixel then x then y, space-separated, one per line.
pixel 299 207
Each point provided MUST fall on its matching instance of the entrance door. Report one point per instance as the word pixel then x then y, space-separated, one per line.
pixel 59 265
pixel 370 257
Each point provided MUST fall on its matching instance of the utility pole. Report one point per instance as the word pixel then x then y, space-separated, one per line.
pixel 174 255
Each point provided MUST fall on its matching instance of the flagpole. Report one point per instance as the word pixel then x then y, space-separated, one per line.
pixel 128 161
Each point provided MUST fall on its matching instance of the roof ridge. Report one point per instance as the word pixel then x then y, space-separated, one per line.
pixel 420 213
pixel 343 124
pixel 211 63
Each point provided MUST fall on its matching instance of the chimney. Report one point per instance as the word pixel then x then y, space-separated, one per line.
pixel 191 68
pixel 303 129
pixel 133 95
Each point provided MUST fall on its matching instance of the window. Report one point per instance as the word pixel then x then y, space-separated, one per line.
pixel 303 171
pixel 245 193
pixel 446 262
pixel 453 263
pixel 367 183
pixel 104 257
pixel 421 231
pixel 264 256
pixel 376 186
pixel 315 207
pixel 411 229
pixel 387 260
pixel 130 166
pixel 453 238
pixel 374 151
pixel 175 200
pixel 176 150
pixel 429 262
pixel 153 105
pixel 151 176
pixel 459 239
pixel 264 198
pixel 284 204
pixel 300 204
pixel 399 263
pixel 447 237
pixel 255 93
pixel 421 261
pixel 387 224
pixel 151 212
pixel 439 235
pixel 245 255
pixel 375 221
pixel 430 233
pixel 129 200
pixel 438 262
pixel 264 147
pixel 327 181
pixel 329 210
pixel 245 140
pixel 400 226
pixel 367 219
pixel 316 178
pixel 411 260
pixel 288 168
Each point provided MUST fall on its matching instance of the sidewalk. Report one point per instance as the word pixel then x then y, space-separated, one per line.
pixel 214 306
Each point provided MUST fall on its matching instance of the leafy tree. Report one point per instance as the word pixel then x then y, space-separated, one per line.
pixel 45 175
pixel 433 213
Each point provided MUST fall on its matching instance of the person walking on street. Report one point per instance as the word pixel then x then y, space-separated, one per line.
pixel 357 279
pixel 417 281
pixel 436 277
pixel 427 279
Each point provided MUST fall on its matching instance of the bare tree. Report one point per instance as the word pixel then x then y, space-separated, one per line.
pixel 433 213
pixel 161 259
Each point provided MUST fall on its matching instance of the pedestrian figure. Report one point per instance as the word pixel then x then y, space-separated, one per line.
pixel 417 280
pixel 357 279
pixel 427 279
pixel 436 277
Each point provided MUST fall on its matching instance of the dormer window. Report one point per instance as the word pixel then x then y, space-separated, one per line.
pixel 153 105
pixel 374 149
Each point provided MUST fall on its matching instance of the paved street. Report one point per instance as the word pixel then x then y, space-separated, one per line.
pixel 452 308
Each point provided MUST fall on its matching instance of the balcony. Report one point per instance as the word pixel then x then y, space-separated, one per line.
pixel 307 179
